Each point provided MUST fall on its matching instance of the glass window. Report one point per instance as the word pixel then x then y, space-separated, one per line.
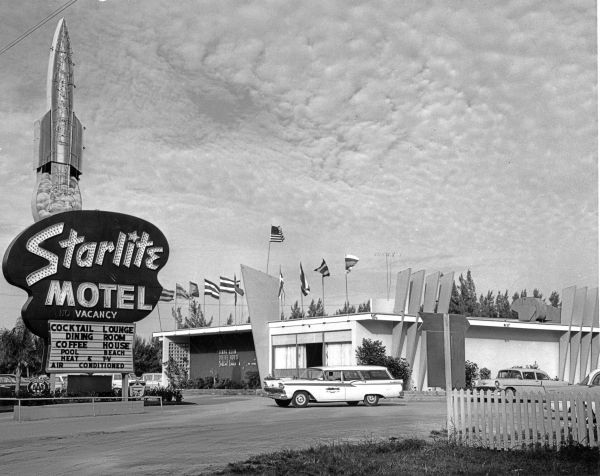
pixel 338 354
pixel 351 375
pixel 375 375
pixel 596 380
pixel 312 374
pixel 529 375
pixel 332 375
pixel 542 376
pixel 285 357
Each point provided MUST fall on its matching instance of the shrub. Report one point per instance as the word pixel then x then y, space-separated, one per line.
pixel 252 379
pixel 373 353
pixel 485 373
pixel 471 373
pixel 166 393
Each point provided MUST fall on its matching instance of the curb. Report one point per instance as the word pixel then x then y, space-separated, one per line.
pixel 411 396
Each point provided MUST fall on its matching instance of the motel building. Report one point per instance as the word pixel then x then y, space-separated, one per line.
pixel 564 342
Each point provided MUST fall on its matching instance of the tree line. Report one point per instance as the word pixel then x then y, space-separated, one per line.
pixel 464 300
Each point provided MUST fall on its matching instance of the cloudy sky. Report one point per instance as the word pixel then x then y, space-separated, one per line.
pixel 458 135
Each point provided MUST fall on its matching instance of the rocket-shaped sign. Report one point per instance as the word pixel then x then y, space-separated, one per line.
pixel 58 137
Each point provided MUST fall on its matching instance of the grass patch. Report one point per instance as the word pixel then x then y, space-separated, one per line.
pixel 416 456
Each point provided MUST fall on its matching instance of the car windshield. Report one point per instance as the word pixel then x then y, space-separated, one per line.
pixel 312 374
pixel 585 380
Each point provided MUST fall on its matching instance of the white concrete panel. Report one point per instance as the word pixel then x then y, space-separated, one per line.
pixel 497 348
pixel 375 330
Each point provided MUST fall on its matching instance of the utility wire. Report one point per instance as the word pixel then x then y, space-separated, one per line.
pixel 40 24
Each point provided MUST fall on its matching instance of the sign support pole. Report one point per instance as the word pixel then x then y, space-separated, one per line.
pixel 448 373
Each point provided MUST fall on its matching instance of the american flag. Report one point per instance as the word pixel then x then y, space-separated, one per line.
pixel 276 234
pixel 211 289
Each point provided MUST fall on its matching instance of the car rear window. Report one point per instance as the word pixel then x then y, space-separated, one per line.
pixel 375 375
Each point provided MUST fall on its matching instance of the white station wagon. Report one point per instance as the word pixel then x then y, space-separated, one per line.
pixel 350 384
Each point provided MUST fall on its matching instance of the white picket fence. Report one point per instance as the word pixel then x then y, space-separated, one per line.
pixel 525 420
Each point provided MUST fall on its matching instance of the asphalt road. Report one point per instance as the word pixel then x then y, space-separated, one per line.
pixel 201 436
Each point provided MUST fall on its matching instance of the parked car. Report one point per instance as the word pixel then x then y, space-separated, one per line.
pixel 591 380
pixel 152 380
pixel 350 384
pixel 519 379
pixel 117 381
pixel 137 386
pixel 60 382
pixel 8 383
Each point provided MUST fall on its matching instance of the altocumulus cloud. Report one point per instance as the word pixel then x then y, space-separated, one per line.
pixel 463 131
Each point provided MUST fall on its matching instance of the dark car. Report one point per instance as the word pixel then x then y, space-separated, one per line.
pixel 8 382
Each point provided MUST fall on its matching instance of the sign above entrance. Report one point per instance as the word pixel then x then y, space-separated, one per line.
pixel 87 266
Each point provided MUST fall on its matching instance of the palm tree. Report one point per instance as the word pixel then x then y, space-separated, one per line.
pixel 19 348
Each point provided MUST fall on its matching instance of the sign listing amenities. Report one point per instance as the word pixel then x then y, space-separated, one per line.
pixel 90 347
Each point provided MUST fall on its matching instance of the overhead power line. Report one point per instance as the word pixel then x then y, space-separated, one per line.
pixel 40 24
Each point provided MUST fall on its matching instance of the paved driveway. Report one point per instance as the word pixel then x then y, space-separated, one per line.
pixel 203 435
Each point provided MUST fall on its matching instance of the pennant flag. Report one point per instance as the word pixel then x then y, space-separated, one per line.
pixel 211 289
pixel 304 287
pixel 194 291
pixel 350 262
pixel 323 269
pixel 181 293
pixel 281 293
pixel 276 234
pixel 227 285
pixel 238 290
pixel 167 295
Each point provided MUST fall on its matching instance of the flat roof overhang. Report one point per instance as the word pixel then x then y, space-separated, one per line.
pixel 204 330
pixel 290 323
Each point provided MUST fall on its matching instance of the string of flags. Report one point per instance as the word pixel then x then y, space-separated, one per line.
pixel 232 286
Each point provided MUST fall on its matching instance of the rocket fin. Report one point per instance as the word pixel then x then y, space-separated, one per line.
pixel 43 140
pixel 76 146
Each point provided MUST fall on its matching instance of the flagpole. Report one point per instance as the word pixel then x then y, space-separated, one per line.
pixel 302 303
pixel 323 288
pixel 347 303
pixel 175 316
pixel 204 302
pixel 268 256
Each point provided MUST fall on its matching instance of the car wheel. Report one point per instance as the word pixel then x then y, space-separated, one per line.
pixel 510 394
pixel 371 400
pixel 352 404
pixel 300 399
pixel 283 403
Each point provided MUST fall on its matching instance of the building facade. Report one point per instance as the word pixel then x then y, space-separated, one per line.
pixel 566 347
